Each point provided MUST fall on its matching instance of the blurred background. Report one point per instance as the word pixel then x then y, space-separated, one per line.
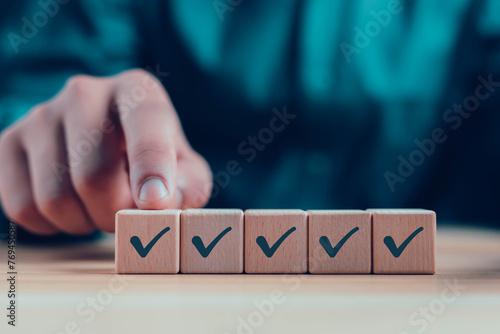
pixel 313 104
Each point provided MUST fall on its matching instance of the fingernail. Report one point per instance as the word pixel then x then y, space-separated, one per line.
pixel 153 190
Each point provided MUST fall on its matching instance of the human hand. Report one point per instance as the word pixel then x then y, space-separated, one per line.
pixel 100 145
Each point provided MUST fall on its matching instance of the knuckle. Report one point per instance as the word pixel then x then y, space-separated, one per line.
pixel 78 86
pixel 41 115
pixel 9 136
pixel 137 74
pixel 141 78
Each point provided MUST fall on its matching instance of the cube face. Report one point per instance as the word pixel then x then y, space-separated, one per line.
pixel 212 241
pixel 275 241
pixel 404 241
pixel 147 241
pixel 339 241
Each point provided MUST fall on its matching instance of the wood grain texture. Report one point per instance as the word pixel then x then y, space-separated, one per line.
pixel 354 256
pixel 226 256
pixel 56 278
pixel 419 256
pixel 290 256
pixel 163 257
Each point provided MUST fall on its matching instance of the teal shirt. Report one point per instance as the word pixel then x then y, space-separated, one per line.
pixel 366 83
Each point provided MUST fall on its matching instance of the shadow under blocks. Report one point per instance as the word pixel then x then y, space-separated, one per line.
pixel 232 241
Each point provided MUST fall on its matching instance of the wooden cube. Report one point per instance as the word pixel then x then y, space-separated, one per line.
pixel 404 241
pixel 212 241
pixel 275 241
pixel 147 241
pixel 340 241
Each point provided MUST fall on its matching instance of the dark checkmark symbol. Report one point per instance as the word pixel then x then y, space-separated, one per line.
pixel 396 251
pixel 198 243
pixel 143 251
pixel 269 252
pixel 332 251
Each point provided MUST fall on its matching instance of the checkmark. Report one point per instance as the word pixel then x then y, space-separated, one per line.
pixel 143 251
pixel 198 243
pixel 396 251
pixel 332 251
pixel 269 252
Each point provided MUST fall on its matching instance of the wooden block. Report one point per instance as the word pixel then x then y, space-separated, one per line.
pixel 275 241
pixel 404 241
pixel 147 241
pixel 340 241
pixel 212 241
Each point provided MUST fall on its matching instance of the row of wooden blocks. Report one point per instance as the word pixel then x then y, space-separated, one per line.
pixel 276 241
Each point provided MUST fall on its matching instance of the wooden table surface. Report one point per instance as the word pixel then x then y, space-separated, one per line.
pixel 73 289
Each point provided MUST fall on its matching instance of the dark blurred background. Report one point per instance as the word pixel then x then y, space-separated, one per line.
pixel 315 104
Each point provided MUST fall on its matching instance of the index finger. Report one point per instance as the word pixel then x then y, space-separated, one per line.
pixel 150 126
